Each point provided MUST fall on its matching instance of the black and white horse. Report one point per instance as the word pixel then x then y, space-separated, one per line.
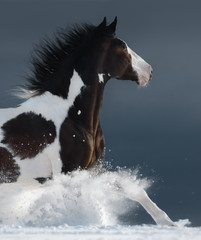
pixel 57 129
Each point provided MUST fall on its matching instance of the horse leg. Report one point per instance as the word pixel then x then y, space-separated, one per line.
pixel 158 215
pixel 139 195
pixel 9 170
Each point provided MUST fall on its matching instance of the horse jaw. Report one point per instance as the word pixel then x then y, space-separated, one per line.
pixel 142 68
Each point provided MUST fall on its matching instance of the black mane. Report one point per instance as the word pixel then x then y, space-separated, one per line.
pixel 48 71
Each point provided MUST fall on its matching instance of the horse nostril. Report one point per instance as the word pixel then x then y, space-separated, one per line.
pixel 150 75
pixel 151 71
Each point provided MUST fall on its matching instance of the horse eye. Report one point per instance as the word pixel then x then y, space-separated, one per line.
pixel 123 46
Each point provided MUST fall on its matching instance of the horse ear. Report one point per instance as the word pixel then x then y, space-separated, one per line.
pixel 112 27
pixel 102 25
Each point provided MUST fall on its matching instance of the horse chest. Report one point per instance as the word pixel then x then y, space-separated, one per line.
pixel 80 148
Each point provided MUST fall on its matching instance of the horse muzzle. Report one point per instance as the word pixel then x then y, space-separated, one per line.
pixel 140 67
pixel 144 76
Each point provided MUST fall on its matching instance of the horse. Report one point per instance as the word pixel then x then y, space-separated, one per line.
pixel 57 130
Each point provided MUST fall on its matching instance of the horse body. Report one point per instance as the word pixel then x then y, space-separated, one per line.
pixel 70 138
pixel 57 129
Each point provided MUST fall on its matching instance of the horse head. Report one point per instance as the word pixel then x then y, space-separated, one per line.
pixel 119 61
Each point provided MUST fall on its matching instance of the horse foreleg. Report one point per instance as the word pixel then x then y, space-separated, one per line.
pixel 158 215
pixel 139 195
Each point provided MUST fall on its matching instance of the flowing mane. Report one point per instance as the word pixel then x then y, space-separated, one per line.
pixel 48 73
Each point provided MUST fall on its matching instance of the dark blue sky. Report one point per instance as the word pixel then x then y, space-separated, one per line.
pixel 158 127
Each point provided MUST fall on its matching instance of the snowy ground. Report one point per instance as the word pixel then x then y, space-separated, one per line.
pixel 100 233
pixel 82 205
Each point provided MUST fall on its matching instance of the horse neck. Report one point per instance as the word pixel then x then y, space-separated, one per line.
pixel 87 105
pixel 96 104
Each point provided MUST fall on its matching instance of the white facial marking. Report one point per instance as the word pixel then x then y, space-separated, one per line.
pixel 142 68
pixel 101 78
pixel 79 112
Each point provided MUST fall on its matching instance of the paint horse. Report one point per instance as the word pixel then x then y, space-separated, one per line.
pixel 57 129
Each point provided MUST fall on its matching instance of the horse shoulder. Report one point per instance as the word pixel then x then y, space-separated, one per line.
pixel 76 146
pixel 80 148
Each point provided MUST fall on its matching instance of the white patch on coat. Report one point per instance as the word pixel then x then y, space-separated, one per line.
pixel 53 108
pixel 101 77
pixel 79 112
pixel 142 68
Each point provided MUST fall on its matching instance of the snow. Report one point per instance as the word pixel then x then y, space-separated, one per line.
pixel 81 205
pixel 81 198
pixel 148 232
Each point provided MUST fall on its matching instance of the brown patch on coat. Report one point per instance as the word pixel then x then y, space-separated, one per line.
pixel 9 170
pixel 28 134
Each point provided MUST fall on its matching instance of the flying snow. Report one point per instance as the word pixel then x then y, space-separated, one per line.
pixel 81 205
